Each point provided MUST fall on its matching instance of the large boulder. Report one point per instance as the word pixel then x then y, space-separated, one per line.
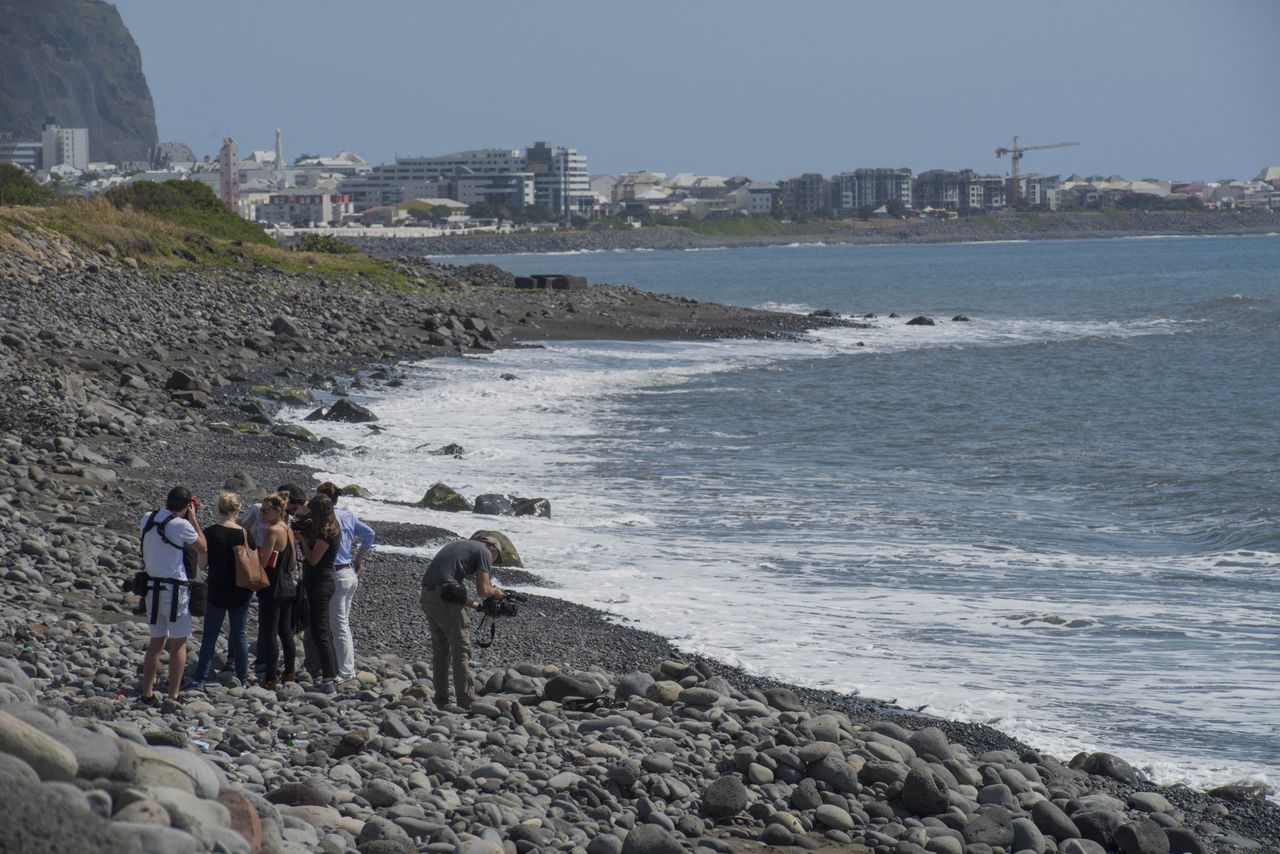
pixel 572 685
pixel 920 320
pixel 352 413
pixel 441 496
pixel 650 839
pixel 725 797
pixel 50 759
pixel 510 557
pixel 1107 765
pixel 495 504
pixel 539 507
pixel 924 792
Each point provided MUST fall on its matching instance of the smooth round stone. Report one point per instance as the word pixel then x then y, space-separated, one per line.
pixel 48 758
pixel 1149 802
pixel 834 817
pixel 491 771
pixel 153 839
pixel 758 774
pixel 143 811
pixel 345 774
pixel 789 821
pixel 650 839
pixel 699 697
pixel 657 763
pixel 603 750
pixel 564 780
pixel 776 834
pixel 815 750
pixel 665 692
pixel 605 843
pixel 823 728
pixel 382 793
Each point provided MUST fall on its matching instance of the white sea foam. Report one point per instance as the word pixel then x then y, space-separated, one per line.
pixel 852 616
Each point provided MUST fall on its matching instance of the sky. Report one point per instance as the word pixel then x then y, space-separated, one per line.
pixel 1168 89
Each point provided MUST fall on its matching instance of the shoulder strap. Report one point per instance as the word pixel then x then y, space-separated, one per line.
pixel 159 528
pixel 244 532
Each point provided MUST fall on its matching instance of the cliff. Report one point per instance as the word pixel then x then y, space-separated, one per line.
pixel 76 61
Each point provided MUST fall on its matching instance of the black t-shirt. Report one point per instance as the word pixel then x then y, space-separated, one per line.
pixel 326 559
pixel 222 565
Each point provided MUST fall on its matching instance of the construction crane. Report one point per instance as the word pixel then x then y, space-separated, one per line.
pixel 1015 153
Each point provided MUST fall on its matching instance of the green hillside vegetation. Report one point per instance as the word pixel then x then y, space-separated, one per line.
pixel 738 226
pixel 19 188
pixel 187 203
pixel 164 226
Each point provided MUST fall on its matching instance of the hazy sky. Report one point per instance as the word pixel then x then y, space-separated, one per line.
pixel 1151 88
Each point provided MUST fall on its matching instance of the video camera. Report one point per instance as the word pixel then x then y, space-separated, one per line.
pixel 507 606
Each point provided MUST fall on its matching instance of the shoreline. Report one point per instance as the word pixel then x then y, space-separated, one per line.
pixel 989 229
pixel 98 426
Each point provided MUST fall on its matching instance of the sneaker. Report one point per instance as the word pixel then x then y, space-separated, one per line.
pixel 327 688
pixel 290 677
pixel 270 685
pixel 194 685
pixel 150 700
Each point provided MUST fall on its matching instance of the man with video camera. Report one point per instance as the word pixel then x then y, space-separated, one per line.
pixel 445 603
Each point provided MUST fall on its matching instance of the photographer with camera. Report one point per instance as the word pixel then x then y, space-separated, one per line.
pixel 164 534
pixel 445 603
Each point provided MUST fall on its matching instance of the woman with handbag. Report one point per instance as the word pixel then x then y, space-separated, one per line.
pixel 225 599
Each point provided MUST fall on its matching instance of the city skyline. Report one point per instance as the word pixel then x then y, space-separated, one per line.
pixel 1174 90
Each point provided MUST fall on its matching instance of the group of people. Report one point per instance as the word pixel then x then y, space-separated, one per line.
pixel 312 551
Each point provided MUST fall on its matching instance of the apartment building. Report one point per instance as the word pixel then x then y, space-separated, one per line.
pixel 560 180
pixel 69 146
pixel 806 195
pixel 755 198
pixel 963 191
pixel 29 155
pixel 870 188
pixel 555 177
pixel 303 208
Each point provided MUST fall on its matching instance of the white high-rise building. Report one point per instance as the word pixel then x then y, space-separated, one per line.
pixel 68 146
pixel 560 180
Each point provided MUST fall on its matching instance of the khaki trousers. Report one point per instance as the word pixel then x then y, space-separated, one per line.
pixel 450 648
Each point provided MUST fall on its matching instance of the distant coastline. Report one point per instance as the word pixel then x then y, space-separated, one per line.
pixel 1025 226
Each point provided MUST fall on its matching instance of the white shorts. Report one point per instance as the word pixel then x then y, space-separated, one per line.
pixel 163 626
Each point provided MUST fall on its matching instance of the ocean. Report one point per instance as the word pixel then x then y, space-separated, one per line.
pixel 1060 518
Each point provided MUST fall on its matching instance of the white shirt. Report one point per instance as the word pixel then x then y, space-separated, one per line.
pixel 158 557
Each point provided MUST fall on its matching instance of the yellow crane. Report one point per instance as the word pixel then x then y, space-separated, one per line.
pixel 1015 153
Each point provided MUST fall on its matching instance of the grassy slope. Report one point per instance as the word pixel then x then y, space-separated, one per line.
pixel 186 238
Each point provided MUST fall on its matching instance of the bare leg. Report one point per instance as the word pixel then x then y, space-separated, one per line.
pixel 150 663
pixel 177 665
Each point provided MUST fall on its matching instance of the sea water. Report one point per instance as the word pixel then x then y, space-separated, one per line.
pixel 1059 518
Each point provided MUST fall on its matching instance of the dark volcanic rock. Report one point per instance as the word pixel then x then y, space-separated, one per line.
pixel 920 320
pixel 444 497
pixel 75 60
pixel 345 410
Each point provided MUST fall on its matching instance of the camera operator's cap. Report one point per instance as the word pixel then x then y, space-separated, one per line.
pixel 493 543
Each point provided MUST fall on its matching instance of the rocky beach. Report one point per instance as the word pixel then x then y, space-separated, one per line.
pixel 587 735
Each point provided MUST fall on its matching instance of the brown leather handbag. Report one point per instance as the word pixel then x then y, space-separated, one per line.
pixel 249 572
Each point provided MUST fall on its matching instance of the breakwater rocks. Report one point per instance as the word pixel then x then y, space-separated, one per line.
pixel 588 736
pixel 1060 226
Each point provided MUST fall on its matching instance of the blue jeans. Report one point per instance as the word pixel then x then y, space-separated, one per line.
pixel 237 644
